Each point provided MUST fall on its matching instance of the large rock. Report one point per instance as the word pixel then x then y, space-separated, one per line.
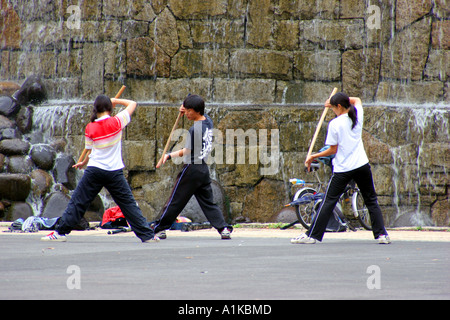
pixel 5 122
pixel 19 210
pixel 55 204
pixel 193 210
pixel 8 88
pixel 20 164
pixel 24 119
pixel 265 201
pixel 9 133
pixel 43 156
pixel 3 161
pixel 63 172
pixel 15 187
pixel 41 182
pixel 14 147
pixel 8 106
pixel 32 91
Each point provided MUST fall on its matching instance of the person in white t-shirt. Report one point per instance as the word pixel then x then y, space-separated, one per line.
pixel 350 163
pixel 103 156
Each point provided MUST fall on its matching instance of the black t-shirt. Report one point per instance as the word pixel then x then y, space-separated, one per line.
pixel 199 141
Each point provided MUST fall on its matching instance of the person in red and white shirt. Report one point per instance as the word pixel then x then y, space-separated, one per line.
pixel 103 156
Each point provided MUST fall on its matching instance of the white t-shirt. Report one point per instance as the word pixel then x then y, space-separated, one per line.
pixel 104 137
pixel 350 151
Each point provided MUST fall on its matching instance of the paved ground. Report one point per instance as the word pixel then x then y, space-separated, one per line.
pixel 257 264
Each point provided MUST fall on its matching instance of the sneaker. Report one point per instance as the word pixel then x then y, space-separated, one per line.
pixel 384 239
pixel 225 234
pixel 151 240
pixel 162 235
pixel 54 236
pixel 303 238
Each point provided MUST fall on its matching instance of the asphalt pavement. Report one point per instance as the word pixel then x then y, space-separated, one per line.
pixel 198 265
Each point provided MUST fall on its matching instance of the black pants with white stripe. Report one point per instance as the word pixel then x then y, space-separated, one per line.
pixel 363 178
pixel 193 180
pixel 93 180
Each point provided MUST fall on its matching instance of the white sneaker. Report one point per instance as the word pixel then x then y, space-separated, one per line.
pixel 225 234
pixel 151 240
pixel 54 236
pixel 384 239
pixel 303 238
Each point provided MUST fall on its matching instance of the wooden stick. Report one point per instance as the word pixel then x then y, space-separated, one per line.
pixel 168 140
pixel 120 92
pixel 322 118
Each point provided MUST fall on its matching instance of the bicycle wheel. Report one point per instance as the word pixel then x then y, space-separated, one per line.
pixel 360 210
pixel 305 211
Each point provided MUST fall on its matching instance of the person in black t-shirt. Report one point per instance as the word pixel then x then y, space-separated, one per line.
pixel 194 179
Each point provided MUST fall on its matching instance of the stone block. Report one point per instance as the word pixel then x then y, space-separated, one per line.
pixel 247 91
pixel 440 35
pixel 203 63
pixel 360 72
pixel 139 155
pixel 317 65
pixel 261 64
pixel 163 30
pixel 196 9
pixel 405 55
pixel 145 58
pixel 332 34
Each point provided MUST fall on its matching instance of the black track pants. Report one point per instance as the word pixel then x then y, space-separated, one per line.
pixel 193 180
pixel 363 178
pixel 93 180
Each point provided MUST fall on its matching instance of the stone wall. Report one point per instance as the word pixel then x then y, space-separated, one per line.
pixel 266 51
pixel 261 66
pixel 257 150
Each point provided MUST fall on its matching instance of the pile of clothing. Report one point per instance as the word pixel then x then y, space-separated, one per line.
pixel 33 224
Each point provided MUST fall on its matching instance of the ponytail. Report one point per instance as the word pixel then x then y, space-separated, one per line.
pixel 352 113
pixel 344 100
pixel 93 115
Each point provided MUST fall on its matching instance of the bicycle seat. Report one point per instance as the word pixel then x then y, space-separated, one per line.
pixel 314 166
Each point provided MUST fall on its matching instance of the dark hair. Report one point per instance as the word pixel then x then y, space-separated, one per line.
pixel 195 102
pixel 343 99
pixel 101 104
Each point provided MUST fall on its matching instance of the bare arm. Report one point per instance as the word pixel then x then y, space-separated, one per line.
pixel 330 151
pixel 83 160
pixel 130 105
pixel 176 154
pixel 355 100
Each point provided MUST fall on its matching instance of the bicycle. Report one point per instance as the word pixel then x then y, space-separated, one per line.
pixel 307 202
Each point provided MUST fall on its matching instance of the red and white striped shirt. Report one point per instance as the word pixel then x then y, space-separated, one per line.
pixel 104 137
